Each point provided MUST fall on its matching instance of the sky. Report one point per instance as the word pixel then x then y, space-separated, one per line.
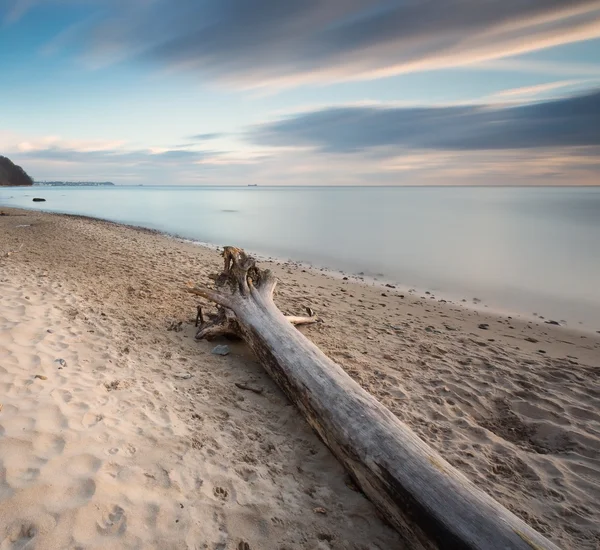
pixel 302 92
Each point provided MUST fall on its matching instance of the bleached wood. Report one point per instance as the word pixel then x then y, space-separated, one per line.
pixel 426 499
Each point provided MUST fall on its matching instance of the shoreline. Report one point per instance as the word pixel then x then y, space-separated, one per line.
pixel 102 296
pixel 380 282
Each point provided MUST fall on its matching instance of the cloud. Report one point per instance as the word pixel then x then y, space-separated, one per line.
pixel 116 156
pixel 537 90
pixel 206 137
pixel 567 122
pixel 272 42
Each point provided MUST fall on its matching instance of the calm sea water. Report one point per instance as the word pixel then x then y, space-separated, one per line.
pixel 518 249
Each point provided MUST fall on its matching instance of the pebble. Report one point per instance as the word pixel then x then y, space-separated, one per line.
pixel 221 350
pixel 483 326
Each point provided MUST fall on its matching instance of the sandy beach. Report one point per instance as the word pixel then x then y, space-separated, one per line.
pixel 119 430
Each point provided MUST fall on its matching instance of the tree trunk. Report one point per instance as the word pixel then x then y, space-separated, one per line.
pixel 426 499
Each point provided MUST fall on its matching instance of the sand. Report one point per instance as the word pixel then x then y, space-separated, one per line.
pixel 118 432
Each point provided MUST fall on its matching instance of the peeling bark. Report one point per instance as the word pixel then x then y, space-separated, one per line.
pixel 426 499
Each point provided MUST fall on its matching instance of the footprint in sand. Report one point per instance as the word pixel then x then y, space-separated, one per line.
pixel 19 536
pixel 220 492
pixel 113 523
pixel 91 419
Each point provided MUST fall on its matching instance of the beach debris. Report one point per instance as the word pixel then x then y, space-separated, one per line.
pixel 402 475
pixel 221 350
pixel 183 376
pixel 390 286
pixel 41 377
pixel 111 386
pixel 244 386
pixel 531 339
pixel 61 362
pixel 199 316
pixel 38 199
pixel 1 406
pixel 11 252
pixel 175 326
pixel 552 323
pixel 483 326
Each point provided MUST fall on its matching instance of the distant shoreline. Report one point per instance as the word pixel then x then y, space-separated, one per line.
pixel 73 184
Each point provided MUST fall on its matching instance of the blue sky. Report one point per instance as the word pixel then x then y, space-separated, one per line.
pixel 338 92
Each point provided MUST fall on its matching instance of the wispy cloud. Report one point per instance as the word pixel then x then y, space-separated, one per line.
pixel 567 122
pixel 534 91
pixel 205 137
pixel 256 43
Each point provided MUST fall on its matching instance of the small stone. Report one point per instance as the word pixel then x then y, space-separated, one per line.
pixel 41 377
pixel 183 375
pixel 532 340
pixel 541 351
pixel 390 286
pixel 483 326
pixel 384 294
pixel 221 350
pixel 553 323
pixel 320 510
pixel 61 362
pixel 344 278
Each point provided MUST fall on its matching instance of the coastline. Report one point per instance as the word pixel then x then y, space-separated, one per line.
pixel 520 423
pixel 380 281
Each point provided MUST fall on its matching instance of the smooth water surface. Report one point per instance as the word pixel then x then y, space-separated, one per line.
pixel 519 249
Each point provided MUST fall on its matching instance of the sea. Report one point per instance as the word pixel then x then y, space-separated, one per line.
pixel 531 251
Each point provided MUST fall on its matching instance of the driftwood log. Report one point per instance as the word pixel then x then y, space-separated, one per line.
pixel 427 500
